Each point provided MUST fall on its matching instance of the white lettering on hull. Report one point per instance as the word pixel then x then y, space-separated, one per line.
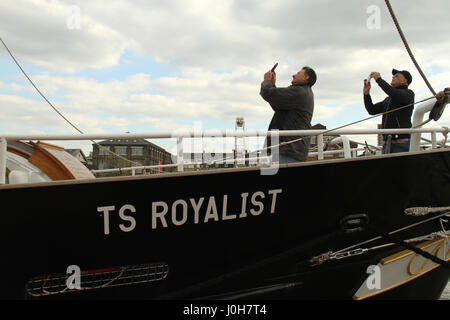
pixel 208 209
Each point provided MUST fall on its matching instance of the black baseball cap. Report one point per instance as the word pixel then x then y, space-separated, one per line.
pixel 405 73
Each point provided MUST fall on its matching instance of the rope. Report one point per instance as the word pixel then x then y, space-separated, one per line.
pixel 408 246
pixel 395 231
pixel 422 211
pixel 358 121
pixel 402 36
pixel 397 25
pixel 408 49
pixel 182 293
pixel 391 11
pixel 37 89
pixel 422 124
pixel 333 129
pixel 57 111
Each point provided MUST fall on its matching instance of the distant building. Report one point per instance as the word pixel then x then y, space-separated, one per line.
pixel 138 152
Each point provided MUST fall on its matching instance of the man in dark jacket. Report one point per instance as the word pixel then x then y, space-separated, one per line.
pixel 293 106
pixel 398 96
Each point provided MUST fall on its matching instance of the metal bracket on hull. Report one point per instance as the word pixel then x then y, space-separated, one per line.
pixel 354 223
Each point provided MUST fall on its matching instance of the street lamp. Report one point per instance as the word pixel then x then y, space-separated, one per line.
pixel 240 123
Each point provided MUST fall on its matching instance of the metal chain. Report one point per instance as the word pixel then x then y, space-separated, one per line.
pixel 348 254
pixel 330 255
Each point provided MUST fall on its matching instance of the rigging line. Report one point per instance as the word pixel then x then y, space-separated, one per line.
pixel 333 129
pixel 410 247
pixel 37 89
pixel 365 119
pixel 408 49
pixel 263 262
pixel 394 232
pixel 422 124
pixel 405 43
pixel 54 108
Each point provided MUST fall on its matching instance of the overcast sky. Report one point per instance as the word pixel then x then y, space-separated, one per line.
pixel 149 66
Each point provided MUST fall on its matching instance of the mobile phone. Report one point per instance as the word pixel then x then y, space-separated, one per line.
pixel 274 67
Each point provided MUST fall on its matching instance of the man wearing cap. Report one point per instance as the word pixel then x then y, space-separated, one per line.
pixel 399 95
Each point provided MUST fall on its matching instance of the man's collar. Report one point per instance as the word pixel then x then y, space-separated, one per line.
pixel 301 84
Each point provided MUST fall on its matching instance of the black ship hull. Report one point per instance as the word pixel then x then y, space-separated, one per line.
pixel 225 234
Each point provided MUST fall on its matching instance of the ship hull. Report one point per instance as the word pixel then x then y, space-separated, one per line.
pixel 234 234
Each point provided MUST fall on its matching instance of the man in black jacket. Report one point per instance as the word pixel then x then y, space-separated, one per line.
pixel 293 106
pixel 399 95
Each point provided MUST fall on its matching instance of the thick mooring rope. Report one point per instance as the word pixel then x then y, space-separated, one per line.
pixel 402 36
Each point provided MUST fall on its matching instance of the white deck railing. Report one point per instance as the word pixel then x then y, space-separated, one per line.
pixel 179 136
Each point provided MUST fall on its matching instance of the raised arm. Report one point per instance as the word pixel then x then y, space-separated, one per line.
pixel 371 108
pixel 396 94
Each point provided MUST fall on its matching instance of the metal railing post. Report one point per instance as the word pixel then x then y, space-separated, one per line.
pixel 180 158
pixel 3 151
pixel 417 123
pixel 345 144
pixel 320 147
pixel 433 140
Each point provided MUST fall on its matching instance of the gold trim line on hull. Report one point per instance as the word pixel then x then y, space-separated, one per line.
pixel 413 274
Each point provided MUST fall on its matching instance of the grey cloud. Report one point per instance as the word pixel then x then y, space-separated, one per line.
pixel 211 34
pixel 242 38
pixel 38 32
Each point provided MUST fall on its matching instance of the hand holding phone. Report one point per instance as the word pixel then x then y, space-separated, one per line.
pixel 271 75
pixel 274 67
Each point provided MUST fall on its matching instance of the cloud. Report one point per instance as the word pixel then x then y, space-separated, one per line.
pixel 23 113
pixel 38 31
pixel 210 34
pixel 14 87
pixel 220 49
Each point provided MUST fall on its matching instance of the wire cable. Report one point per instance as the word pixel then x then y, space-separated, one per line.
pixel 58 112
pixel 330 130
